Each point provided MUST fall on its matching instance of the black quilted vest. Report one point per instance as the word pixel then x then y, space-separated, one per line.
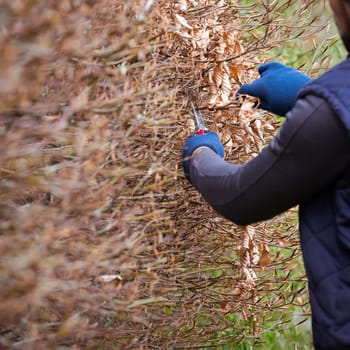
pixel 325 231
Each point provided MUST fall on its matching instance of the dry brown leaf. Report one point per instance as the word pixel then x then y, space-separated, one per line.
pixel 180 21
pixel 265 256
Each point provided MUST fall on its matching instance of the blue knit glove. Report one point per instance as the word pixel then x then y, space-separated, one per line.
pixel 210 139
pixel 277 87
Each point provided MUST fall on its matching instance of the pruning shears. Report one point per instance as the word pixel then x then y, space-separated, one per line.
pixel 200 125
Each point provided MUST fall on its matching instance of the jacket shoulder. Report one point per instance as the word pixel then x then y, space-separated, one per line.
pixel 334 87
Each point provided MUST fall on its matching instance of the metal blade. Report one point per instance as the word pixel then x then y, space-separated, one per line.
pixel 199 119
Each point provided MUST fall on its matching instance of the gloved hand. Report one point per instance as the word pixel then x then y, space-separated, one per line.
pixel 210 139
pixel 277 87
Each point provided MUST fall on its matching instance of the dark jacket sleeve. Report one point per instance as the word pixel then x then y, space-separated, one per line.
pixel 308 154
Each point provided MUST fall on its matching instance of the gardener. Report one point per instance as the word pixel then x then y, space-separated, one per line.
pixel 306 164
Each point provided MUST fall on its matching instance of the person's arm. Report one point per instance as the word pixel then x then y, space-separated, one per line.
pixel 310 151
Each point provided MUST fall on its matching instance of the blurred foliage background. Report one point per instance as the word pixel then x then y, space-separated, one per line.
pixel 103 243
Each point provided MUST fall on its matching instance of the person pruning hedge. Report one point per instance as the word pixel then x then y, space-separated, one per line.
pixel 306 164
